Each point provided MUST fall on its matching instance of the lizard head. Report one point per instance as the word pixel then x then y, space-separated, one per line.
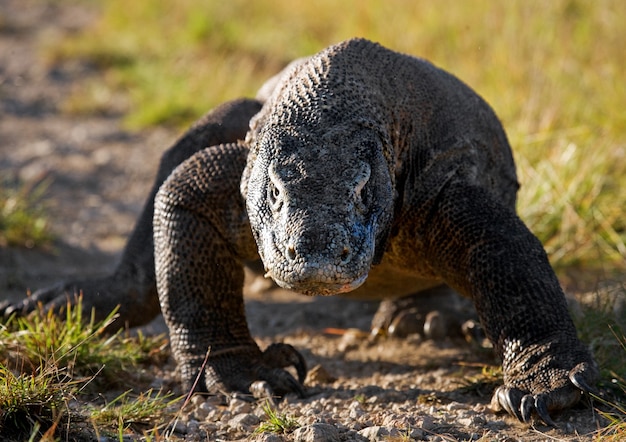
pixel 319 204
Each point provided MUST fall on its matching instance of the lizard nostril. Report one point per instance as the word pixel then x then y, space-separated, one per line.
pixel 291 252
pixel 346 254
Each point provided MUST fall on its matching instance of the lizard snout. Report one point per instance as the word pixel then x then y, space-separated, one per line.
pixel 322 260
pixel 328 245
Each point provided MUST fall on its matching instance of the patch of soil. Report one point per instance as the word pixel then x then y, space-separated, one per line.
pixel 99 174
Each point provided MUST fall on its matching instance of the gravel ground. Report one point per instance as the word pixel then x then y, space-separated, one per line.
pixel 361 389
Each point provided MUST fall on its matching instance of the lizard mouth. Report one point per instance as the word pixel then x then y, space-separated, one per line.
pixel 313 287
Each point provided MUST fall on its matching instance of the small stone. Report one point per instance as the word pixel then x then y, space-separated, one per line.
pixel 455 406
pixel 180 427
pixel 193 426
pixel 244 421
pixel 214 401
pixel 239 406
pixel 377 433
pixel 496 425
pixel 351 339
pixel 356 413
pixel 319 375
pixel 198 399
pixel 201 413
pixel 268 437
pixel 427 423
pixel 317 432
pixel 312 411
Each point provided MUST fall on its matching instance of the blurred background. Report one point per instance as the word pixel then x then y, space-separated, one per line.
pixel 554 71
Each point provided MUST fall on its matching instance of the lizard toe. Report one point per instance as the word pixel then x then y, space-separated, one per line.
pixel 541 407
pixel 279 355
pixel 136 304
pixel 245 370
pixel 279 383
pixel 508 399
pixel 537 404
pixel 583 376
pixel 523 405
pixel 40 297
pixel 435 313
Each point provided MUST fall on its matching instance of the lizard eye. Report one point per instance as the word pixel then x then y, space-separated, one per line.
pixel 362 202
pixel 274 196
pixel 275 190
pixel 362 191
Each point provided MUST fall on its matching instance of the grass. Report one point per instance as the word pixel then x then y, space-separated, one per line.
pixel 615 408
pixel 50 365
pixel 551 70
pixel 151 409
pixel 23 219
pixel 33 399
pixel 605 331
pixel 276 422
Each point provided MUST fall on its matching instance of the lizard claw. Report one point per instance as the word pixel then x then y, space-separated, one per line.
pixel 541 407
pixel 508 399
pixel 523 404
pixel 538 404
pixel 578 376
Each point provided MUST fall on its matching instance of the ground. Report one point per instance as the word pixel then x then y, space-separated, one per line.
pixel 99 174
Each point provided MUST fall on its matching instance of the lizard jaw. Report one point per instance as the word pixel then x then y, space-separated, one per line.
pixel 317 287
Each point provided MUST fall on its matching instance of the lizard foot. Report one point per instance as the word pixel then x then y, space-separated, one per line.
pixel 551 389
pixel 137 305
pixel 435 313
pixel 246 372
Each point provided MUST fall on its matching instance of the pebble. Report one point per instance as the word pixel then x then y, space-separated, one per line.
pixel 203 410
pixel 318 432
pixel 426 422
pixel 351 339
pixel 319 375
pixel 238 406
pixel 180 427
pixel 496 425
pixel 267 437
pixel 193 426
pixel 198 399
pixel 244 422
pixel 378 433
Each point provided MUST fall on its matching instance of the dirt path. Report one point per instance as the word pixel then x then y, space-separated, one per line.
pixel 99 174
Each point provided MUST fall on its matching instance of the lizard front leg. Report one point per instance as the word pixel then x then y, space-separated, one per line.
pixel 482 249
pixel 202 237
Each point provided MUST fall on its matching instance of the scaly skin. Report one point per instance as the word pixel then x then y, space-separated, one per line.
pixel 369 172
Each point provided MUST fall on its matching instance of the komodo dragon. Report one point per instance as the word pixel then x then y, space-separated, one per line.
pixel 365 170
